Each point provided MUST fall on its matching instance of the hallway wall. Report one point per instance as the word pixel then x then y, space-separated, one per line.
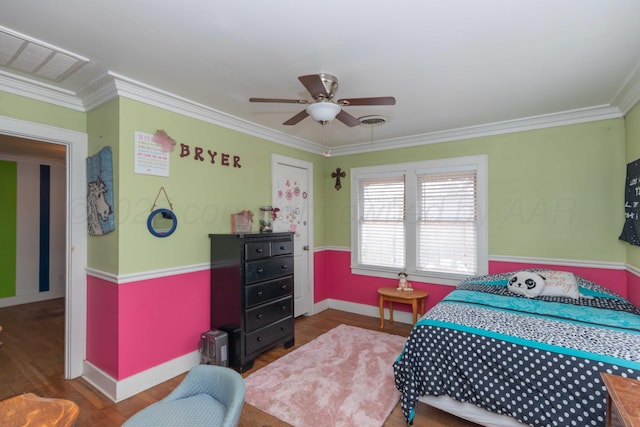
pixel 39 220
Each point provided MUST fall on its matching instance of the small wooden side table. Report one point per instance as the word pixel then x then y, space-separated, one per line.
pixel 623 401
pixel 392 295
pixel 31 410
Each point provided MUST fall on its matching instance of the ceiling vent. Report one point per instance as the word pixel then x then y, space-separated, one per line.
pixel 372 120
pixel 27 55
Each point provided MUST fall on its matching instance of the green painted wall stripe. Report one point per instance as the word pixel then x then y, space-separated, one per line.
pixel 8 210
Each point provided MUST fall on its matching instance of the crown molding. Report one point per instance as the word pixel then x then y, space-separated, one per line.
pixel 112 85
pixel 629 94
pixel 33 89
pixel 98 92
pixel 509 126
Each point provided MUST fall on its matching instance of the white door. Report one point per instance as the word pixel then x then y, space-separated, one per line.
pixel 292 181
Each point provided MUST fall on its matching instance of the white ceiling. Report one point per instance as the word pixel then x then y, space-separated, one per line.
pixel 455 67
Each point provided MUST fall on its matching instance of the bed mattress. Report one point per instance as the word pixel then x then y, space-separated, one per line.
pixel 537 360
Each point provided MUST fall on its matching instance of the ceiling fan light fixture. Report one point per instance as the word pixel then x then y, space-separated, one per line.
pixel 323 111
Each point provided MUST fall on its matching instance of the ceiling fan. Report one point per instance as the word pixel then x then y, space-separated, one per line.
pixel 323 108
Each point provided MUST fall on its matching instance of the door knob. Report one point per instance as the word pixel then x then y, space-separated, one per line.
pixel 305 247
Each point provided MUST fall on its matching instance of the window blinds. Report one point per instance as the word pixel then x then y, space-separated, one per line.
pixel 381 220
pixel 447 222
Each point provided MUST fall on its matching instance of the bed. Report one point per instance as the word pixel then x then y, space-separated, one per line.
pixel 498 358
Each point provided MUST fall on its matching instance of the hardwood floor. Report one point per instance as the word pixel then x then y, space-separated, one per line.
pixel 32 360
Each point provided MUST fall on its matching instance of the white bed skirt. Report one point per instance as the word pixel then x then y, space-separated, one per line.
pixel 470 412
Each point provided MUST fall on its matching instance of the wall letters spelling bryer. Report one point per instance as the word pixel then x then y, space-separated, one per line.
pixel 198 154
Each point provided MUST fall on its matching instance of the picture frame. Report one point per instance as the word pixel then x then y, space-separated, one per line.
pixel 241 222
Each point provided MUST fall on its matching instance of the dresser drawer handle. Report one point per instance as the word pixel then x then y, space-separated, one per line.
pixel 259 316
pixel 259 293
pixel 283 287
pixel 283 328
pixel 260 270
pixel 283 308
pixel 282 248
pixel 259 250
pixel 284 266
pixel 259 339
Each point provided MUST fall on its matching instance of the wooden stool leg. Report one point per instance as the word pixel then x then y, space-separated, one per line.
pixel 414 308
pixel 381 312
pixel 390 311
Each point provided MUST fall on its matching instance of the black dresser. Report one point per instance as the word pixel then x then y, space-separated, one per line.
pixel 252 293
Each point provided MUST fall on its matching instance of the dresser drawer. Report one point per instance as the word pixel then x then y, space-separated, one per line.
pixel 257 250
pixel 267 291
pixel 282 248
pixel 270 268
pixel 265 337
pixel 265 314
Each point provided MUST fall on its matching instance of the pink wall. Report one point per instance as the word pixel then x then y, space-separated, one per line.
pixel 102 325
pixel 320 276
pixel 633 288
pixel 169 315
pixel 340 284
pixel 132 327
pixel 615 280
pixel 135 326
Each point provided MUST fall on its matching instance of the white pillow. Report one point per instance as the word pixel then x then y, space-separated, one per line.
pixel 560 284
pixel 526 283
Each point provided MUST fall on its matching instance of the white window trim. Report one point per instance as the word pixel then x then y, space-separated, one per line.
pixel 478 162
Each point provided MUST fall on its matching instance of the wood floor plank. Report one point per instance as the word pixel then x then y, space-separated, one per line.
pixel 32 361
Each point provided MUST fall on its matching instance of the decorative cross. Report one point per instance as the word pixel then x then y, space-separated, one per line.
pixel 339 173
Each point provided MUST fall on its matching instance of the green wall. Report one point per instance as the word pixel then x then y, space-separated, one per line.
pixel 553 193
pixel 8 227
pixel 203 195
pixel 102 127
pixel 22 108
pixel 632 128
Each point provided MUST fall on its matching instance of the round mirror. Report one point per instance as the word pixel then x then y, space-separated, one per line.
pixel 162 222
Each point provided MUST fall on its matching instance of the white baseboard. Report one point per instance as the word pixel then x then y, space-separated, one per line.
pixel 368 310
pixel 320 306
pixel 123 389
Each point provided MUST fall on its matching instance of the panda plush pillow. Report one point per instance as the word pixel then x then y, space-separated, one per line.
pixel 526 283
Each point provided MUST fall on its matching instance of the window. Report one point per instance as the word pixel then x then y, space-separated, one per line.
pixel 426 218
pixel 382 221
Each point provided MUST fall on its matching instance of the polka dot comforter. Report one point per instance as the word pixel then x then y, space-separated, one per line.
pixel 536 359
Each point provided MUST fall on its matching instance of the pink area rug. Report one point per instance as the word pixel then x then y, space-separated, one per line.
pixel 342 378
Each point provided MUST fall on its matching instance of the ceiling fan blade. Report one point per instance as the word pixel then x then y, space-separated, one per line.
pixel 347 119
pixel 297 118
pixel 313 83
pixel 380 100
pixel 286 101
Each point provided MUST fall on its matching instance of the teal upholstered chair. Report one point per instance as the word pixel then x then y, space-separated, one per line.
pixel 208 396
